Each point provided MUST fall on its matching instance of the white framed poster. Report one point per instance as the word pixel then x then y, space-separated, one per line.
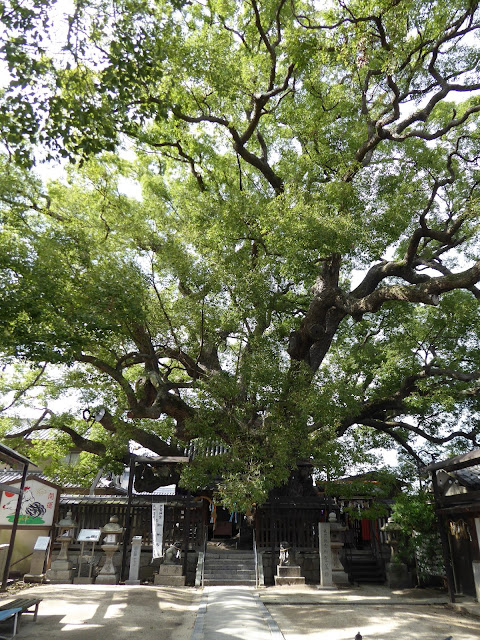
pixel 38 504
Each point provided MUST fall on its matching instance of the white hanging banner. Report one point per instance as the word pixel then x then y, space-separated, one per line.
pixel 158 518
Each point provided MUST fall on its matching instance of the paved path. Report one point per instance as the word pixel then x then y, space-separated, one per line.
pixel 234 613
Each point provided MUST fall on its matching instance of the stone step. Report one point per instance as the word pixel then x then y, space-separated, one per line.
pixel 241 575
pixel 214 562
pixel 289 580
pixel 225 567
pixel 229 558
pixel 229 554
pixel 218 582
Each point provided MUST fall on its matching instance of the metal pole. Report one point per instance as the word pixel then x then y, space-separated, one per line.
pixel 128 519
pixel 14 528
pixel 444 539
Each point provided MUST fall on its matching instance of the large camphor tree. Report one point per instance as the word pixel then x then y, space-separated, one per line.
pixel 296 279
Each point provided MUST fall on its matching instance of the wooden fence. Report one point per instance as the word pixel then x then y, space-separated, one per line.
pixel 177 517
pixel 293 522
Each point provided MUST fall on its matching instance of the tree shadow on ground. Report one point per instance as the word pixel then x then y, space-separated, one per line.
pixel 112 614
pixel 377 622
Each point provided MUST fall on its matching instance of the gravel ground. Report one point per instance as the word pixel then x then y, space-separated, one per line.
pixel 381 622
pixel 99 612
pixel 91 612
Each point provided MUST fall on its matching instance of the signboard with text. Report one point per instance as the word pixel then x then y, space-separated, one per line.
pixel 89 535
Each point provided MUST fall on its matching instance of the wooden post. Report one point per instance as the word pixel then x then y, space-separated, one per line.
pixel 128 518
pixel 14 528
pixel 447 558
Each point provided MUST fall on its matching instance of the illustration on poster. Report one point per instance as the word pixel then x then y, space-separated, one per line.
pixel 31 510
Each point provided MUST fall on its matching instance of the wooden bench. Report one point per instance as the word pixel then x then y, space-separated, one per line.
pixel 18 606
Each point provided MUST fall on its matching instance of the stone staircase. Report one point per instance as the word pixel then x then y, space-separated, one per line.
pixel 228 567
pixel 363 567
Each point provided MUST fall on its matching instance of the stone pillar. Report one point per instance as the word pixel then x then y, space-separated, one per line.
pixel 37 564
pixel 325 553
pixel 339 577
pixel 135 560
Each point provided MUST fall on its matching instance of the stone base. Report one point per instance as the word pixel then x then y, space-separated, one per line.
pixel 31 577
pixel 288 575
pixel 61 565
pixel 340 577
pixel 60 577
pixel 132 582
pixel 107 578
pixel 170 575
pixel 170 569
pixel 281 581
pixel 288 571
pixel 398 576
pixel 83 580
pixel 169 581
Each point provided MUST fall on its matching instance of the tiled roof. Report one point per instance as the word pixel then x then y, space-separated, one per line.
pixel 42 434
pixel 469 477
pixel 12 476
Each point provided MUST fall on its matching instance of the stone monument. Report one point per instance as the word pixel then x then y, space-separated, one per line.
pixel 135 553
pixel 325 555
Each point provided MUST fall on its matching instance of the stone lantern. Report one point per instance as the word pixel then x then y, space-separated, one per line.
pixel 336 544
pixel 61 569
pixel 398 576
pixel 392 530
pixel 112 532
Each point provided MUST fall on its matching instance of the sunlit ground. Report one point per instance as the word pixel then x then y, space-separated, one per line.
pixel 381 622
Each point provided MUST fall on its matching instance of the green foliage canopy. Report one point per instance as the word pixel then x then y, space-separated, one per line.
pixel 301 266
